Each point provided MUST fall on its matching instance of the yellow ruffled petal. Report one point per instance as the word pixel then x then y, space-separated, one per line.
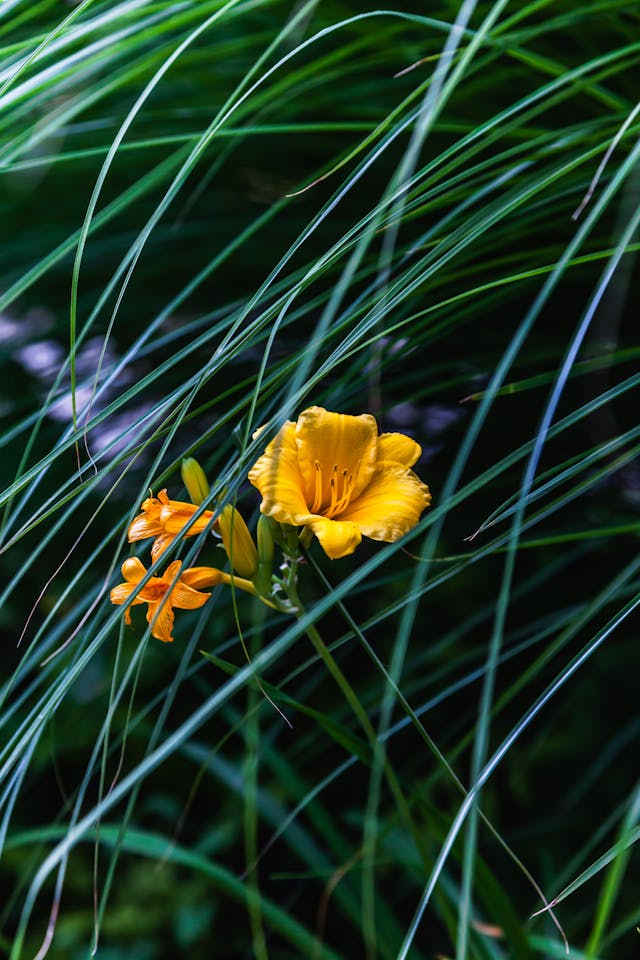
pixel 397 447
pixel 285 438
pixel 337 538
pixel 334 440
pixel 391 505
pixel 277 476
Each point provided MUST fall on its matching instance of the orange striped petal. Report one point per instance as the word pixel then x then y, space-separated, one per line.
pixel 161 617
pixel 181 595
pixel 160 544
pixel 147 523
pixel 186 598
pixel 122 593
pixel 172 572
pixel 176 515
pixel 198 577
pixel 143 526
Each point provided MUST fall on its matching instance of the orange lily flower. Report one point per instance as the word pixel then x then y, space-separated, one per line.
pixel 335 475
pixel 162 594
pixel 165 519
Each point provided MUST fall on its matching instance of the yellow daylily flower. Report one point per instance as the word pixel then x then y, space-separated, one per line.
pixel 176 588
pixel 334 474
pixel 165 519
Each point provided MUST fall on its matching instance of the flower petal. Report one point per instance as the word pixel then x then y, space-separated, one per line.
pixel 122 593
pixel 334 440
pixel 277 476
pixel 186 598
pixel 397 447
pixel 180 594
pixel 143 526
pixel 391 505
pixel 172 572
pixel 133 570
pixel 160 616
pixel 147 523
pixel 176 515
pixel 198 577
pixel 337 537
pixel 160 544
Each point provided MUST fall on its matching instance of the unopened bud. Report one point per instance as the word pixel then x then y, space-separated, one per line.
pixel 195 480
pixel 238 542
pixel 266 543
pixel 290 539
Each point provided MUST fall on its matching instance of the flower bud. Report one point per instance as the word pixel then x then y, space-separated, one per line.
pixel 289 539
pixel 238 542
pixel 266 543
pixel 195 480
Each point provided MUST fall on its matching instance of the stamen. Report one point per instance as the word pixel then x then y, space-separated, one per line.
pixel 334 492
pixel 339 503
pixel 317 495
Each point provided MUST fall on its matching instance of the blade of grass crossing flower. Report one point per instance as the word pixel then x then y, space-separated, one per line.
pixel 489 767
pixel 435 98
pixel 149 763
pixel 84 231
pixel 506 361
pixel 482 729
pixel 481 741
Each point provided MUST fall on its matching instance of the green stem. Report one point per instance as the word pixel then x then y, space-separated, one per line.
pixel 378 750
pixel 250 771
